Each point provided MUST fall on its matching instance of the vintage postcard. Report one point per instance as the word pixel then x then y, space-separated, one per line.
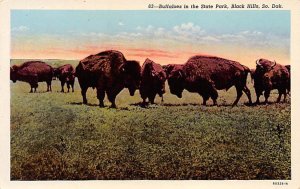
pixel 149 94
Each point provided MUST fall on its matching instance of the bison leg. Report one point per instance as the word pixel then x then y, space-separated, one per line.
pixel 100 96
pixel 213 93
pixel 239 94
pixel 144 103
pixel 214 96
pixel 112 99
pixel 49 85
pixel 151 98
pixel 35 86
pixel 83 93
pixel 62 83
pixel 205 98
pixel 112 94
pixel 282 91
pixel 31 87
pixel 68 86
pixel 247 92
pixel 284 96
pixel 72 84
pixel 279 96
pixel 267 95
pixel 258 93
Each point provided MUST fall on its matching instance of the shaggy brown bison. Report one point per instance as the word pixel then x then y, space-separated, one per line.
pixel 207 74
pixel 66 74
pixel 108 72
pixel 152 82
pixel 32 72
pixel 268 76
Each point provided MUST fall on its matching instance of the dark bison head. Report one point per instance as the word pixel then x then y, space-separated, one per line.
pixel 159 81
pixel 55 73
pixel 13 73
pixel 176 82
pixel 168 69
pixel 132 75
pixel 263 66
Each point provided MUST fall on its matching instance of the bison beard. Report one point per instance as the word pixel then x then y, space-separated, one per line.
pixel 153 81
pixel 109 72
pixel 32 72
pixel 66 74
pixel 268 76
pixel 205 75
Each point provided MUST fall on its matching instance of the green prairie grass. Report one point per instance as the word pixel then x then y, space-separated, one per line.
pixel 55 137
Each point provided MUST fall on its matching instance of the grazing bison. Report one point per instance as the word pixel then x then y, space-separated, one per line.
pixel 32 72
pixel 153 81
pixel 268 76
pixel 207 74
pixel 66 74
pixel 108 72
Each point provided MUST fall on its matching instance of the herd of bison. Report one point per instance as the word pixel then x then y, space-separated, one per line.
pixel 109 72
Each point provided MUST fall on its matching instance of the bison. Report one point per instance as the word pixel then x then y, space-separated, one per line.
pixel 66 74
pixel 207 74
pixel 109 72
pixel 152 81
pixel 32 72
pixel 268 76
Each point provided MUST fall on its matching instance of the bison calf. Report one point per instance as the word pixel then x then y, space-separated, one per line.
pixel 66 74
pixel 32 72
pixel 109 72
pixel 152 82
pixel 207 74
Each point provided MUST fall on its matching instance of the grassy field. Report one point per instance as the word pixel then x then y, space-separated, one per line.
pixel 54 136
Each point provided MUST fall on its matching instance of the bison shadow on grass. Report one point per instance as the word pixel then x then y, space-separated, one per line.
pixel 141 104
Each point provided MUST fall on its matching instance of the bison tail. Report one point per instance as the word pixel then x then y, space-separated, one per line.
pixel 247 71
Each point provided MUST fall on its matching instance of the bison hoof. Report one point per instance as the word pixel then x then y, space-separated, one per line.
pixel 249 103
pixel 113 106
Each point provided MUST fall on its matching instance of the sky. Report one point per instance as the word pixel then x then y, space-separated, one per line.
pixel 163 36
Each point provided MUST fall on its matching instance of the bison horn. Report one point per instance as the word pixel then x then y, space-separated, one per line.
pixel 274 64
pixel 121 68
pixel 257 62
pixel 180 73
pixel 152 74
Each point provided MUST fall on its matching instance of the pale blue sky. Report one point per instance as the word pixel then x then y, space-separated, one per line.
pixel 167 36
pixel 109 22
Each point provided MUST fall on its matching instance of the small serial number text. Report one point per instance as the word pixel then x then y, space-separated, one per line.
pixel 280 183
